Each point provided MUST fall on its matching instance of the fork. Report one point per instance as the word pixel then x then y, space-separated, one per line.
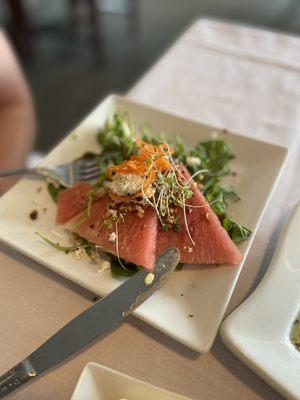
pixel 83 169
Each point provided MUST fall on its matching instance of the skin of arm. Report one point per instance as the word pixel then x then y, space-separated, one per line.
pixel 17 117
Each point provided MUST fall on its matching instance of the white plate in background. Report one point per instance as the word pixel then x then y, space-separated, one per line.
pixel 206 289
pixel 97 382
pixel 258 331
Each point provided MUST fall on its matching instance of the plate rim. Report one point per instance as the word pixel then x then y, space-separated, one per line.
pixel 117 374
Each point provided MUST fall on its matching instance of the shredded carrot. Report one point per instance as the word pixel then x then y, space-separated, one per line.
pixel 149 160
pixel 139 164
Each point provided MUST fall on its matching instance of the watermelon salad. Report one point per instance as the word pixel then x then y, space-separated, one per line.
pixel 152 195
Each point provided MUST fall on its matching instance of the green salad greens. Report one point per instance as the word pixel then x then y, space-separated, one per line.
pixel 208 163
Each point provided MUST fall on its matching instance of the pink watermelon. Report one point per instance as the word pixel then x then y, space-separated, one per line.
pixel 136 238
pixel 71 201
pixel 141 240
pixel 212 242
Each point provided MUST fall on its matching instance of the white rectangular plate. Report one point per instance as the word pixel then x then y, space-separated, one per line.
pixel 97 382
pixel 206 289
pixel 259 330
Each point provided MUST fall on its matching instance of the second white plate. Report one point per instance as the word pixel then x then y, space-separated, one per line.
pixel 259 330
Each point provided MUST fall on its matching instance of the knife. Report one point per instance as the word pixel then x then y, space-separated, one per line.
pixel 102 317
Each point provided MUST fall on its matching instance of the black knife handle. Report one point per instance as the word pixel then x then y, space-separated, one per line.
pixel 16 377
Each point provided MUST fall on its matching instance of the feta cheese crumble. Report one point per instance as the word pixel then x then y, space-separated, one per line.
pixel 78 253
pixel 112 237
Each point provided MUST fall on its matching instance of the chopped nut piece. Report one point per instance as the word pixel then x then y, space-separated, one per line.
pixel 139 209
pixel 149 279
pixel 101 193
pixel 171 219
pixel 188 249
pixel 140 215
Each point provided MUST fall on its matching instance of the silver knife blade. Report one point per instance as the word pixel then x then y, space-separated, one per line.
pixel 98 319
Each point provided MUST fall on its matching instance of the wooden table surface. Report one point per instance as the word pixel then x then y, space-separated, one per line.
pixel 36 302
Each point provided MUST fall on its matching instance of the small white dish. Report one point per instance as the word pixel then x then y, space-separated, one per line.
pixel 97 382
pixel 258 331
pixel 206 289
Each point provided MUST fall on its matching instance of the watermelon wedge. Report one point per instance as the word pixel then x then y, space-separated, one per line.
pixel 136 238
pixel 140 241
pixel 71 201
pixel 212 244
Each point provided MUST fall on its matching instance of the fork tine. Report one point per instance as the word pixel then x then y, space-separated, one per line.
pixel 89 163
pixel 87 173
pixel 90 176
pixel 89 169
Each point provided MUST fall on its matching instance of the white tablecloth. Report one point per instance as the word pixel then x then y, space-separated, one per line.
pixel 245 80
pixel 230 76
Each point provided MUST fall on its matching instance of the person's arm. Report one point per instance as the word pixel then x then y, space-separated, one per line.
pixel 17 118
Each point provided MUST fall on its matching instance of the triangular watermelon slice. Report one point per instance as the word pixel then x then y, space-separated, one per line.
pixel 71 201
pixel 141 240
pixel 212 244
pixel 136 238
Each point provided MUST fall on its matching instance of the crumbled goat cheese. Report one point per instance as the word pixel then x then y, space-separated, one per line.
pixel 112 212
pixel 112 237
pixel 126 184
pixel 104 266
pixel 78 253
pixel 193 161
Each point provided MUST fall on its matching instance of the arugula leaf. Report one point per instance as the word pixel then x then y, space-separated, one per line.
pixel 118 135
pixel 54 190
pixel 237 232
pixel 154 139
pixel 179 150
